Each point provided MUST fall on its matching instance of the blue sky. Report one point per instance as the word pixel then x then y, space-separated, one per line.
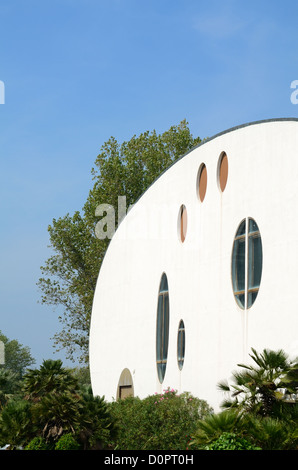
pixel 79 71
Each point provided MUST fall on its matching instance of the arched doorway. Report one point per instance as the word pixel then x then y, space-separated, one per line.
pixel 125 385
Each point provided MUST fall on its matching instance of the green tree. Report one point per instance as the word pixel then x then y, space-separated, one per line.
pixel 69 275
pixel 17 357
pixel 230 441
pixel 262 410
pixel 67 442
pixel 263 386
pixel 97 425
pixel 16 423
pixel 210 428
pixel 57 414
pixel 274 433
pixel 53 392
pixel 37 443
pixel 50 379
pixel 9 386
pixel 159 422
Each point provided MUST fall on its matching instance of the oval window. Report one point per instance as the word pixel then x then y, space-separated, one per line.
pixel 162 328
pixel 222 173
pixel 182 223
pixel 247 261
pixel 202 182
pixel 181 344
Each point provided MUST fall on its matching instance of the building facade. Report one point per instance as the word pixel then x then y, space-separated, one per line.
pixel 203 268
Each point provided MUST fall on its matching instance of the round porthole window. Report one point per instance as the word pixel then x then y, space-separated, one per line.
pixel 202 182
pixel 247 260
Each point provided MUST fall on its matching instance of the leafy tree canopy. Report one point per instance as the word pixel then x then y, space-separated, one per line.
pixel 69 275
pixel 17 356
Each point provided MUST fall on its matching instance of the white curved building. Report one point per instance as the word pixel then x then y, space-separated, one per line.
pixel 203 267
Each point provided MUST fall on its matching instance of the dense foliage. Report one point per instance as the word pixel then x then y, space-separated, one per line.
pixel 52 402
pixel 17 356
pixel 69 275
pixel 262 408
pixel 159 422
pixel 53 408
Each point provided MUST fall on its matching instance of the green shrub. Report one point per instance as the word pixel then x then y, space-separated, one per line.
pixel 16 424
pixel 229 441
pixel 37 443
pixel 67 442
pixel 159 422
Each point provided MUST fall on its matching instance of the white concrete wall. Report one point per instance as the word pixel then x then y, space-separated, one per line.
pixel 262 184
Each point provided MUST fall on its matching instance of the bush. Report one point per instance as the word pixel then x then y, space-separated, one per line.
pixel 229 441
pixel 159 422
pixel 67 442
pixel 16 424
pixel 37 443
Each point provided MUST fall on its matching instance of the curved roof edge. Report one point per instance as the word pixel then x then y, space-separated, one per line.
pixel 231 129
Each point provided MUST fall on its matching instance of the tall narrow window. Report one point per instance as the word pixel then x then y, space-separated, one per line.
pixel 202 182
pixel 222 171
pixel 182 223
pixel 162 328
pixel 247 261
pixel 181 344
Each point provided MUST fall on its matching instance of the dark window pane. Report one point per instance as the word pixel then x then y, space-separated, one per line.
pixel 252 227
pixel 162 328
pixel 238 265
pixel 247 259
pixel 242 228
pixel 240 300
pixel 163 284
pixel 159 328
pixel 165 327
pixel 251 297
pixel 254 261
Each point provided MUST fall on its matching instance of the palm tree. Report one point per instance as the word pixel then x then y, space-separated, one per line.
pixel 97 425
pixel 16 425
pixel 51 377
pixel 53 392
pixel 210 428
pixel 57 414
pixel 9 386
pixel 261 387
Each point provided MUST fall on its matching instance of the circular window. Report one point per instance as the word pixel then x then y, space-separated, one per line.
pixel 202 182
pixel 222 172
pixel 182 223
pixel 162 328
pixel 181 344
pixel 247 259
